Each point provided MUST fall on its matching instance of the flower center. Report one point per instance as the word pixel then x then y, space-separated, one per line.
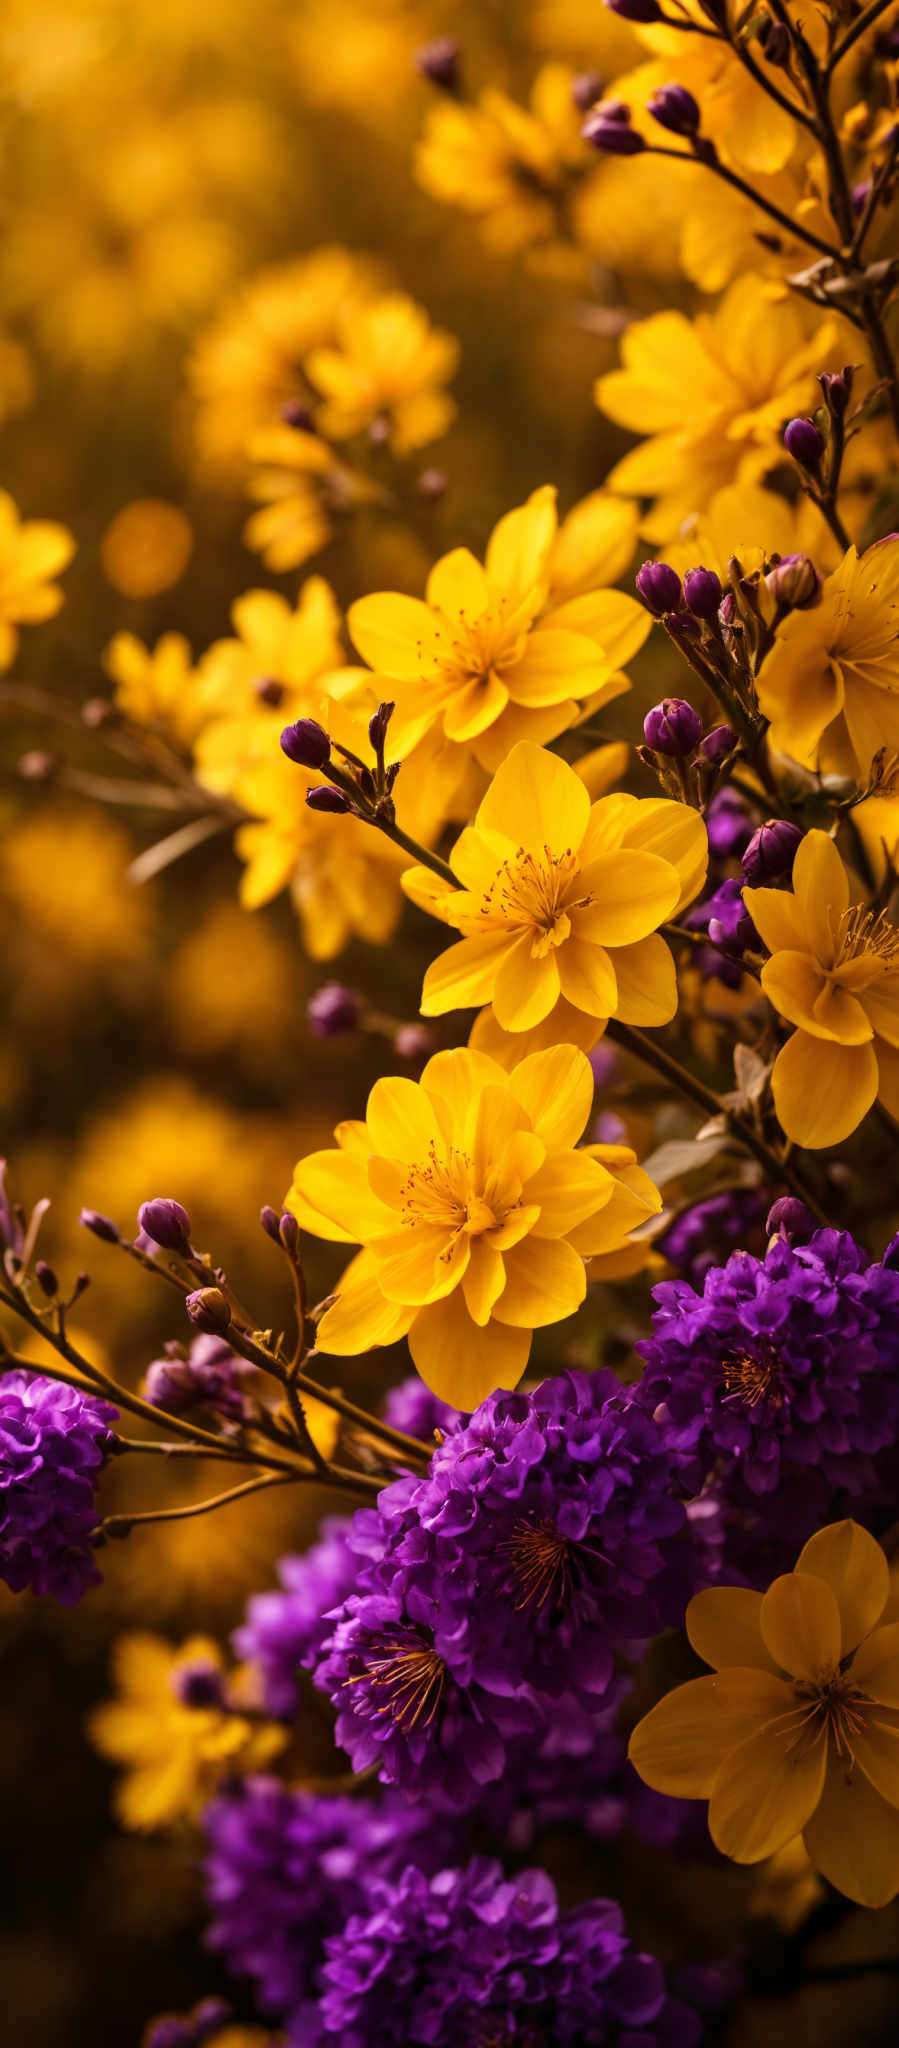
pixel 540 1563
pixel 441 1192
pixel 753 1380
pixel 537 895
pixel 835 1706
pixel 412 1676
pixel 484 646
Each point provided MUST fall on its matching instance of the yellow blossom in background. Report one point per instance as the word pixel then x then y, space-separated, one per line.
pixel 173 1755
pixel 834 974
pixel 16 377
pixel 365 70
pixel 300 484
pixel 561 898
pixel 750 131
pixel 32 552
pixel 64 873
pixel 711 395
pixel 751 522
pixel 796 1733
pixel 146 547
pixel 475 1214
pixel 830 682
pixel 158 686
pixel 510 165
pixel 387 362
pixel 268 673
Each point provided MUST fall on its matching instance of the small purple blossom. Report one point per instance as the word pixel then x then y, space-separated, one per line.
pixel 53 1443
pixel 702 1236
pixel 413 1408
pixel 211 1376
pixel 730 825
pixel 284 1628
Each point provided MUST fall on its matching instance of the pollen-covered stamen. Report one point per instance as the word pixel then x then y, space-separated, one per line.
pixel 537 894
pixel 443 1192
pixel 413 1676
pixel 861 934
pixel 754 1380
pixel 833 1705
pixel 540 1563
pixel 485 644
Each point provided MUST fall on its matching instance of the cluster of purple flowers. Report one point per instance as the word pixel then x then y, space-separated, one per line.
pixel 284 1629
pixel 701 1236
pixel 53 1442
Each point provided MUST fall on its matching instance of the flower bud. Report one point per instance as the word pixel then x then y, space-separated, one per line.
pixel 771 852
pixel 586 87
pixel 296 414
pixel 729 824
pixel 327 798
pixel 635 10
pixel 166 1222
pixel 270 1220
pixel 837 388
pixel 794 582
pixel 333 1010
pixel 608 128
pixel 672 727
pixel 728 922
pixel 790 1218
pixel 432 484
pixel 208 1310
pixel 803 441
pixel 439 61
pixel 774 37
pixel 675 109
pixel 377 725
pixel 169 1383
pixel 717 744
pixel 306 743
pixel 101 1226
pixel 702 592
pixel 660 588
pixel 289 1233
pixel 45 1277
pixel 413 1042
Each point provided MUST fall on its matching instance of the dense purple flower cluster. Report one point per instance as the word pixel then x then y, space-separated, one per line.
pixel 284 1628
pixel 702 1236
pixel 577 1776
pixel 471 1957
pixel 53 1441
pixel 544 1535
pixel 412 1407
pixel 777 1390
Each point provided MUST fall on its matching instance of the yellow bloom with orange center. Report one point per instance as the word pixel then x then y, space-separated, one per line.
pixel 173 1754
pixel 561 898
pixel 298 484
pixel 387 363
pixel 32 552
pixel 503 650
pixel 797 1732
pixel 834 973
pixel 475 1213
pixel 830 682
pixel 510 165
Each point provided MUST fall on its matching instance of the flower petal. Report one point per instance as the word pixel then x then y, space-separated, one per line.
pixel 647 982
pixel 536 800
pixel 464 976
pixel 800 1624
pixel 361 1317
pixel 526 989
pixel 766 1791
pixel 875 1747
pixel 401 1119
pixel 822 1090
pixel 587 978
pixel 633 893
pixel 545 1281
pixel 556 1088
pixel 875 1666
pixel 724 1627
pixel 853 1838
pixel 331 1196
pixel 570 1187
pixel 460 1362
pixel 856 1570
pixel 395 634
pixel 458 586
pixel 679 1747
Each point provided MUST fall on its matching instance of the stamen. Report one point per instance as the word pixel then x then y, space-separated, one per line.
pixel 861 932
pixel 414 1677
pixel 754 1380
pixel 541 1563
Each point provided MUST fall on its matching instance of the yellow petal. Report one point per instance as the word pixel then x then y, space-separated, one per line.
pixel 875 1666
pixel 875 1747
pixel 400 1118
pixel 536 800
pixel 395 634
pixel 819 881
pixel 765 1791
pixel 633 892
pixel 526 989
pixel 853 1838
pixel 841 1016
pixel 793 982
pixel 800 1624
pixel 331 1197
pixel 474 707
pixel 458 586
pixel 679 1747
pixel 723 1625
pixel 483 1280
pixel 556 1089
pixel 677 834
pixel 518 549
pixel 587 978
pixel 419 1264
pixel 545 1281
pixel 777 919
pixel 555 662
pixel 822 1090
pixel 454 1079
pixel 570 1187
pixel 361 1317
pixel 647 982
pixel 855 1568
pixel 464 976
pixel 460 1362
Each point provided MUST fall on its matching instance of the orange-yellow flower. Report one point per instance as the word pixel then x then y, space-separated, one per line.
pixel 32 551
pixel 797 1733
pixel 562 899
pixel 834 973
pixel 475 1214
pixel 388 363
pixel 829 683
pixel 173 1754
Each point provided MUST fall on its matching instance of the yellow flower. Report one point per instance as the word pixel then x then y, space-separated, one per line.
pixel 32 551
pixel 561 898
pixel 494 654
pixel 268 673
pixel 146 547
pixel 712 395
pixel 174 1755
pixel 796 1734
pixel 750 522
pixel 830 683
pixel 834 973
pixel 474 1211
pixel 160 686
pixel 506 163
pixel 299 484
pixel 389 363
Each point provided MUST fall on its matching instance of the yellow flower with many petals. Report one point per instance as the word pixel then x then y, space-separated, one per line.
pixel 268 673
pixel 797 1732
pixel 174 1755
pixel 299 483
pixel 712 395
pixel 508 164
pixel 561 898
pixel 830 682
pixel 494 653
pixel 32 552
pixel 834 973
pixel 475 1214
pixel 387 363
pixel 158 686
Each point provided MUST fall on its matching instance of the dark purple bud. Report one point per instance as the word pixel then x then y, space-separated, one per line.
pixel 771 852
pixel 296 414
pixel 333 1010
pixel 794 582
pixel 803 441
pixel 327 798
pixel 837 388
pixel 586 87
pixel 166 1222
pixel 717 744
pixel 432 484
pixel 702 592
pixel 306 743
pixel 728 922
pixel 729 824
pixel 377 725
pixel 673 728
pixel 270 1220
pixel 289 1233
pixel 660 588
pixel 675 109
pixel 101 1226
pixel 608 128
pixel 790 1218
pixel 635 10
pixel 208 1310
pixel 774 37
pixel 198 1684
pixel 413 1042
pixel 269 691
pixel 45 1277
pixel 169 1383
pixel 439 61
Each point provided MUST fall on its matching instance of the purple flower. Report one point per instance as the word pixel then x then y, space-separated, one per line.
pixel 211 1376
pixel 333 1010
pixel 703 1235
pixel 660 587
pixel 284 1629
pixel 730 825
pixel 472 1957
pixel 702 590
pixel 672 728
pixel 413 1408
pixel 803 441
pixel 675 109
pixel 726 919
pixel 53 1441
pixel 771 852
pixel 777 1389
pixel 306 743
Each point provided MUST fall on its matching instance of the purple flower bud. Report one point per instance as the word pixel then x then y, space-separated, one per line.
pixel 730 826
pixel 702 592
pixel 270 1220
pixel 169 1384
pixel 289 1233
pixel 198 1684
pixel 635 10
pixel 45 1277
pixel 673 728
pixel 413 1042
pixel 586 87
pixel 327 798
pixel 675 109
pixel 377 725
pixel 771 852
pixel 269 691
pixel 790 1218
pixel 728 922
pixel 660 588
pixel 717 744
pixel 439 61
pixel 208 1310
pixel 794 582
pixel 101 1226
pixel 837 388
pixel 296 414
pixel 166 1222
pixel 608 128
pixel 774 37
pixel 803 441
pixel 333 1010
pixel 306 743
